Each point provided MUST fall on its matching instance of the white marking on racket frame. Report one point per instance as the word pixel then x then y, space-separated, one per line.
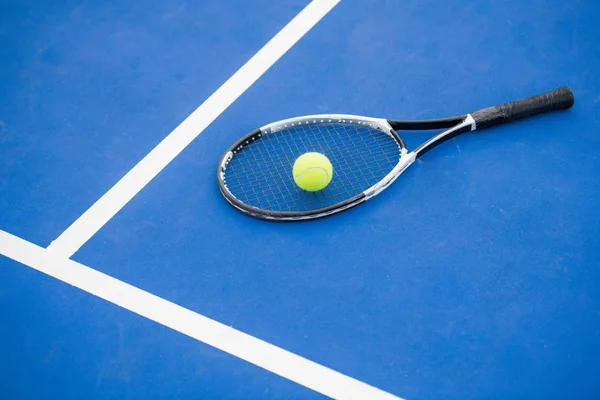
pixel 471 121
pixel 406 159
pixel 328 118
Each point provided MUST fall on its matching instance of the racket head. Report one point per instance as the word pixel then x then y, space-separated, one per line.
pixel 255 173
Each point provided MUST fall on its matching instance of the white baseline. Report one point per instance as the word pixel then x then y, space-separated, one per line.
pixel 90 222
pixel 258 352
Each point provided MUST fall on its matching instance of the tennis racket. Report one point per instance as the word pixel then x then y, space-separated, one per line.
pixel 367 154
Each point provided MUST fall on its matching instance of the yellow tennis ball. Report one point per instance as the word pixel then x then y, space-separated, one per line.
pixel 312 171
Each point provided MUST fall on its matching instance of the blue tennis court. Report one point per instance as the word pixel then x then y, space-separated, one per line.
pixel 124 274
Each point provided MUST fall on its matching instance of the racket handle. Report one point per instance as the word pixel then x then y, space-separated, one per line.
pixel 558 99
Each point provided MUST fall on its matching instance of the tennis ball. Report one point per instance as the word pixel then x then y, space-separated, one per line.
pixel 312 171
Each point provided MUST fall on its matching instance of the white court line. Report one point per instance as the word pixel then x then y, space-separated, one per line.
pixel 239 344
pixel 86 226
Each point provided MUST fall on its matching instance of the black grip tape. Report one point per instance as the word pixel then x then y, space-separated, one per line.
pixel 558 99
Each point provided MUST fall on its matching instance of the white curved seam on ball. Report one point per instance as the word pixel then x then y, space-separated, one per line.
pixel 310 169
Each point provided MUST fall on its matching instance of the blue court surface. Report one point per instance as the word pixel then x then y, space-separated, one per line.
pixel 124 274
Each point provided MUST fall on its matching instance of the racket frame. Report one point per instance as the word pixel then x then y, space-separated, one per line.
pixel 406 158
pixel 558 99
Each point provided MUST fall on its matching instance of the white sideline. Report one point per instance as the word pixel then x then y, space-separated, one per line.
pixel 239 344
pixel 92 220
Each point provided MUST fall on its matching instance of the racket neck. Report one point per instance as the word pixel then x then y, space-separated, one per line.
pixel 466 125
pixel 418 125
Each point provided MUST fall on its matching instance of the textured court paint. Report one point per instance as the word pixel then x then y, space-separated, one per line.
pixel 125 189
pixel 223 337
pixel 475 275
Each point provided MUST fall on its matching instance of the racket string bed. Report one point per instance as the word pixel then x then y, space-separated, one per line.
pixel 260 174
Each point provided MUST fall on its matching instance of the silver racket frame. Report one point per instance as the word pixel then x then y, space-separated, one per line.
pixel 558 99
pixel 405 160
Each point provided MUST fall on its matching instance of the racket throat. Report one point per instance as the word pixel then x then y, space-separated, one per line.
pixel 467 125
pixel 405 161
